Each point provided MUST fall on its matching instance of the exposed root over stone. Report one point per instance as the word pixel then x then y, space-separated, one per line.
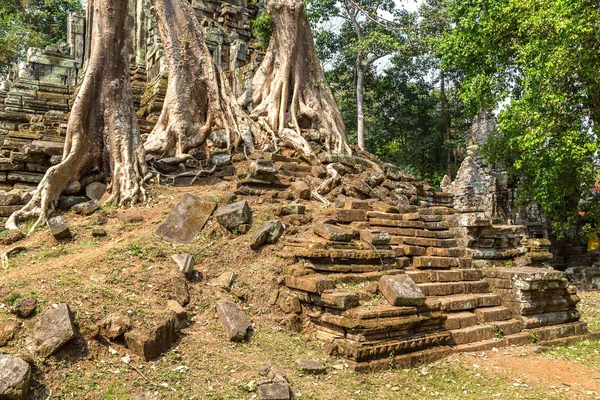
pixel 289 88
pixel 103 138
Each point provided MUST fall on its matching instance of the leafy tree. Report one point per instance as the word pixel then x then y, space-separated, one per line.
pixel 538 60
pixel 363 38
pixel 31 23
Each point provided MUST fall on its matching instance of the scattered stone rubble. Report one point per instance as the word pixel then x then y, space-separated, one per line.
pixel 15 378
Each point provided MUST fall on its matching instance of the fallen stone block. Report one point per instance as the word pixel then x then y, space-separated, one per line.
pixel 300 190
pixel 292 209
pixel 224 280
pixel 234 215
pixel 269 232
pixel 271 370
pixel 274 391
pixel 58 228
pixel 185 264
pixel 25 308
pixel 401 290
pixel 313 367
pixel 87 208
pixel 263 169
pixel 95 190
pixel 186 220
pixel 334 233
pixel 65 203
pixel 233 320
pixel 15 378
pixel 177 309
pixel 8 330
pixel 52 330
pixel 98 232
pixel 114 326
pixel 149 343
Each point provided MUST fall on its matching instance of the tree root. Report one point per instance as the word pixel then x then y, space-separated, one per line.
pixel 331 182
pixel 186 174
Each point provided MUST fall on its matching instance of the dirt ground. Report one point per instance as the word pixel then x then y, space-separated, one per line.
pixel 126 271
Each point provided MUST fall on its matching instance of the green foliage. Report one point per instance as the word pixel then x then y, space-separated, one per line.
pixel 31 23
pixel 262 28
pixel 498 332
pixel 537 60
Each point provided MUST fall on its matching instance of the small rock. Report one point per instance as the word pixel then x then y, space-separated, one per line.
pixel 129 217
pixel 319 171
pixel 95 190
pixel 185 264
pixel 220 158
pixel 58 228
pixel 274 391
pixel 114 326
pixel 234 215
pixel 233 320
pixel 178 309
pixel 15 378
pixel 300 190
pixel 52 330
pixel 269 232
pixel 292 209
pixel 401 290
pixel 313 367
pixel 8 329
pixel 263 169
pixel 224 280
pixel 65 203
pixel 149 343
pixel 270 370
pixel 25 307
pixel 10 199
pixel 86 208
pixel 244 228
pixel 98 232
pixel 290 304
pixel 73 187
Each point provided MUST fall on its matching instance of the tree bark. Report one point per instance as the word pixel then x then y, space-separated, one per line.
pixel 289 92
pixel 360 103
pixel 198 98
pixel 103 138
pixel 446 123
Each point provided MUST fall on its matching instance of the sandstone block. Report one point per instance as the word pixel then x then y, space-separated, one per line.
pixel 292 209
pixel 344 215
pixel 375 237
pixel 25 308
pixel 233 320
pixel 269 232
pixel 274 391
pixel 312 367
pixel 95 190
pixel 300 190
pixel 186 220
pixel 114 326
pixel 58 228
pixel 334 233
pixel 15 378
pixel 401 290
pixel 87 208
pixel 185 264
pixel 52 330
pixel 234 215
pixel 151 343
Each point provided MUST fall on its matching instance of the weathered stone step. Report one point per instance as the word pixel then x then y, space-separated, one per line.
pixel 434 234
pixel 437 210
pixel 396 223
pixel 425 242
pixel 337 300
pixel 463 302
pixel 460 320
pixel 371 351
pixel 471 334
pixel 401 262
pixel 538 336
pixel 318 283
pixel 446 252
pixel 507 327
pixel 452 288
pixel 490 314
pixel 435 262
pixel 454 275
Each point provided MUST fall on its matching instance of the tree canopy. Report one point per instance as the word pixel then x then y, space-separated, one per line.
pixel 537 61
pixel 31 23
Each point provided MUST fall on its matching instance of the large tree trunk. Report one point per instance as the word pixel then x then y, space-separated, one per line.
pixel 198 95
pixel 289 92
pixel 360 103
pixel 103 137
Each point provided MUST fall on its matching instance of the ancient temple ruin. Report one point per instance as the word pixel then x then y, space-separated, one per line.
pixel 391 267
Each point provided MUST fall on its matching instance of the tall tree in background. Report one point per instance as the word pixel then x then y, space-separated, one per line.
pixel 364 36
pixel 539 60
pixel 103 139
pixel 31 23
